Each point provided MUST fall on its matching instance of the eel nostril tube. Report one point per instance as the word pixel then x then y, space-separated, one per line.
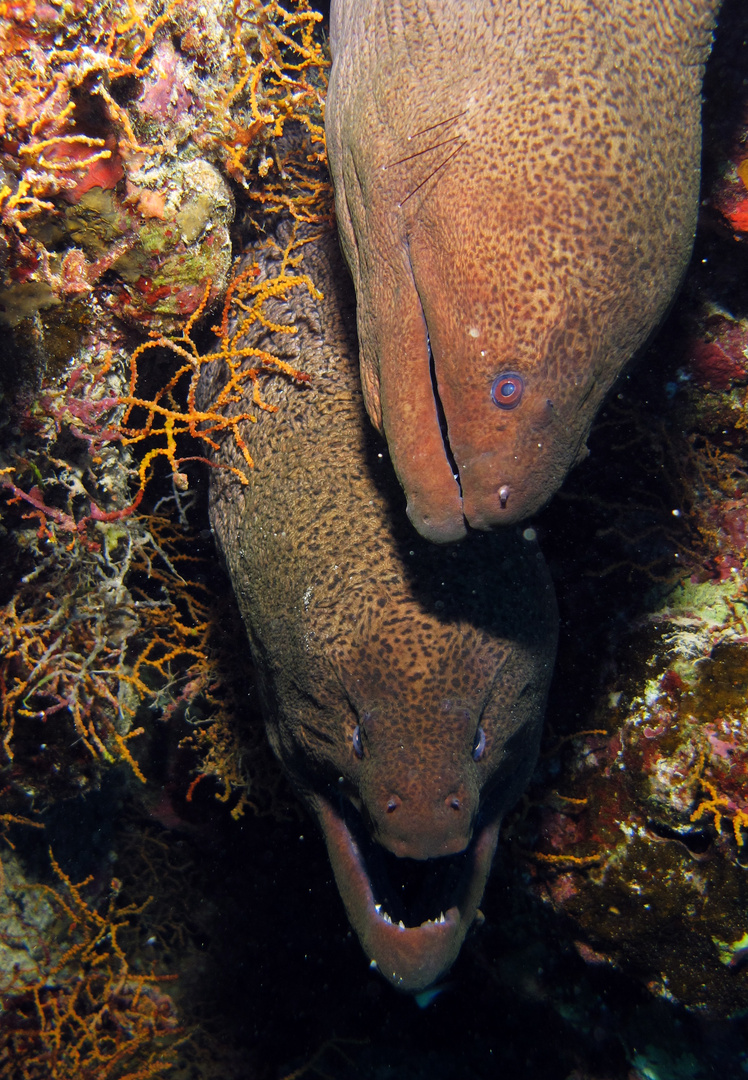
pixel 503 495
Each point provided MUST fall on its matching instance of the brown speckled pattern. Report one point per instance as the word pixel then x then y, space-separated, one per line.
pixel 354 619
pixel 540 224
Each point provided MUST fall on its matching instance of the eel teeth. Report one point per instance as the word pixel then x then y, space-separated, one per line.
pixel 435 922
pixel 388 918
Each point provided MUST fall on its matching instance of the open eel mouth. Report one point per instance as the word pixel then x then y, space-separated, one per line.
pixel 410 916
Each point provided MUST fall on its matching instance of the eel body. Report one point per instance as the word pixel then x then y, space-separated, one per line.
pixel 403 683
pixel 516 186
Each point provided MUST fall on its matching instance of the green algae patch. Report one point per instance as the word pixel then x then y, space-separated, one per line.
pixel 153 238
pixel 654 1063
pixel 732 952
pixel 706 603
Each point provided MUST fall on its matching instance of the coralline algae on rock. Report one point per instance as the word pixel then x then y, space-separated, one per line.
pixel 182 241
pixel 121 124
pixel 644 848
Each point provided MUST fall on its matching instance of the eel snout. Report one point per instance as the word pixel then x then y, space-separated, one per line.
pixel 477 450
pixel 424 827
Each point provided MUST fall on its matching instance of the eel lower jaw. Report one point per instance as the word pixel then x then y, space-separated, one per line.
pixel 440 524
pixel 412 958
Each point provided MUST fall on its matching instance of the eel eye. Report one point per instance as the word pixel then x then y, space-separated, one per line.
pixel 358 748
pixel 507 389
pixel 480 744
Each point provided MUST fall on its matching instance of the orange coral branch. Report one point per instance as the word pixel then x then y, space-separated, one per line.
pixel 88 1015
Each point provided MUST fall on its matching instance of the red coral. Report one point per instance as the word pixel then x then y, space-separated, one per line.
pixel 672 683
pixel 733 523
pixel 103 172
pixel 713 367
pixel 164 96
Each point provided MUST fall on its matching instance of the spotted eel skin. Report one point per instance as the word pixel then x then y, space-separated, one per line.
pixel 516 186
pixel 403 683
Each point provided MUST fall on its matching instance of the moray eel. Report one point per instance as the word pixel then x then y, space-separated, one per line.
pixel 516 187
pixel 403 683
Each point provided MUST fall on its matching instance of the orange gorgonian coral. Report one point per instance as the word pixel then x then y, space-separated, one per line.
pixel 87 1016
pixel 245 70
pixel 104 618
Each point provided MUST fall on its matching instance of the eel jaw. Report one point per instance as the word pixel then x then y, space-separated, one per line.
pixel 411 958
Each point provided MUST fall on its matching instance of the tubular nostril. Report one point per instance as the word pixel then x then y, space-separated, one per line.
pixel 503 495
pixel 392 805
pixel 454 802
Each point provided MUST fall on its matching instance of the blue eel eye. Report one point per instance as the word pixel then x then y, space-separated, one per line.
pixel 480 744
pixel 358 749
pixel 507 390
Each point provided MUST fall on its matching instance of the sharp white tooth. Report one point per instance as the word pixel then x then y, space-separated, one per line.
pixel 377 908
pixel 401 924
pixel 442 917
pixel 386 917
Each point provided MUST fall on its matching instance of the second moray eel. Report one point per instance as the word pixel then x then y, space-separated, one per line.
pixel 403 683
pixel 516 186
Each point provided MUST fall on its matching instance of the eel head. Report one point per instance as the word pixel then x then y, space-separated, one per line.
pixel 516 197
pixel 409 772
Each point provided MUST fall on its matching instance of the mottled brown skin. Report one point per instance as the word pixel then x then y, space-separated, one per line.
pixel 355 621
pixel 516 183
